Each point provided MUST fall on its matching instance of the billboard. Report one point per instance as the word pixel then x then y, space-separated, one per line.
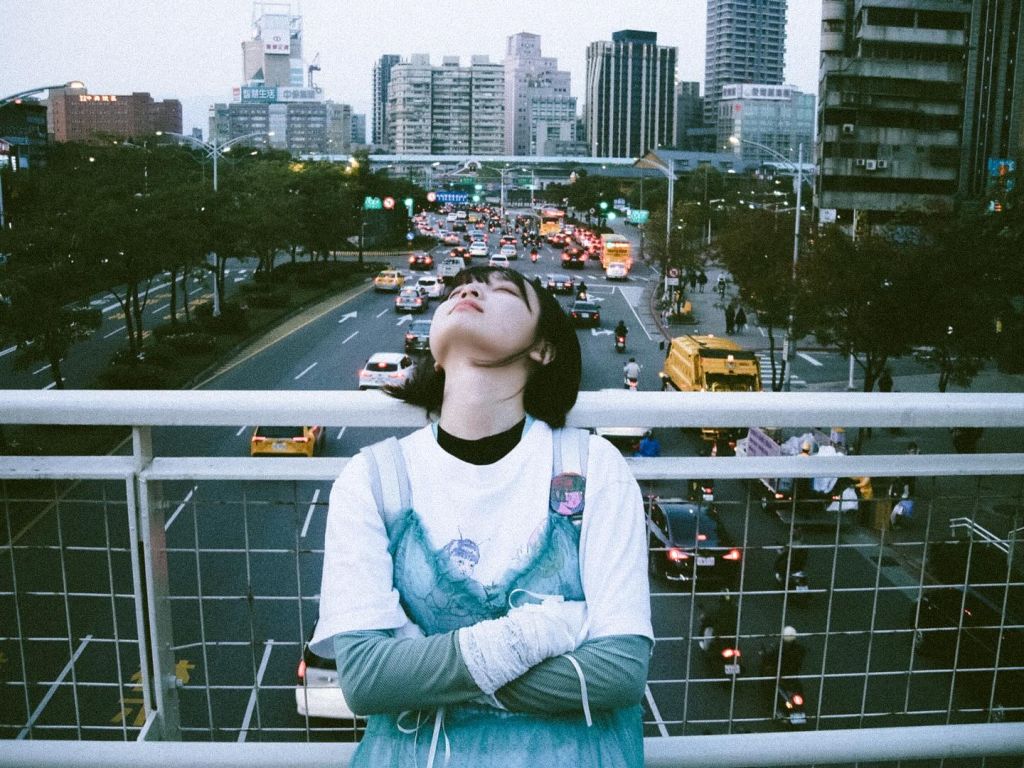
pixel 1002 172
pixel 275 34
pixel 263 94
pixel 298 94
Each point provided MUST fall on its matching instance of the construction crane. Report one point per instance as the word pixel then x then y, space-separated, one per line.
pixel 314 67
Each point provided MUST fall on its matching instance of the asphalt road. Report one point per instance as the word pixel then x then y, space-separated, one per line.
pixel 245 562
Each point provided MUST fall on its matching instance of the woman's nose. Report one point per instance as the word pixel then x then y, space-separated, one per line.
pixel 469 290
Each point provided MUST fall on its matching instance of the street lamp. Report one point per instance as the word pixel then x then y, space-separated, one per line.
pixel 670 174
pixel 789 351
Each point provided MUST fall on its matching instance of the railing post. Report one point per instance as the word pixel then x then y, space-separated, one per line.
pixel 158 615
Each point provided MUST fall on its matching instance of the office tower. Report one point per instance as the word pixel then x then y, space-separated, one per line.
pixel 74 114
pixel 273 57
pixel 689 114
pixel 630 103
pixel 446 109
pixel 381 78
pixel 778 116
pixel 537 100
pixel 891 107
pixel 358 129
pixel 745 43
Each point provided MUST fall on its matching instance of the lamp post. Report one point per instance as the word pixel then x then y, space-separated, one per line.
pixel 789 349
pixel 213 150
pixel 670 174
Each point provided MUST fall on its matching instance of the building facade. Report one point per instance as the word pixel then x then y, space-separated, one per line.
pixel 446 109
pixel 530 78
pixel 745 43
pixel 358 130
pixel 630 95
pixel 273 57
pixel 891 107
pixel 778 116
pixel 689 113
pixel 74 114
pixel 23 127
pixel 381 79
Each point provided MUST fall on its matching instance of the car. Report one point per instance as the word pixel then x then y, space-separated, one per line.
pixel 561 284
pixel 507 240
pixel 430 286
pixel 478 249
pixel 411 300
pixel 498 260
pixel 286 441
pixel 451 239
pixel 450 267
pixel 317 691
pixel 421 260
pixel 574 257
pixel 687 541
pixel 461 252
pixel 616 270
pixel 509 251
pixel 585 313
pixel 417 337
pixel 452 217
pixel 477 237
pixel 390 280
pixel 384 369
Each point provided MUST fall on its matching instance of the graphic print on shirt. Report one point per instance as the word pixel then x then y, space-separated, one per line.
pixel 463 555
pixel 567 495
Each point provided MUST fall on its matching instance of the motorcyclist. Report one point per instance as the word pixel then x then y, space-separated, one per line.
pixel 792 653
pixel 721 619
pixel 903 487
pixel 533 254
pixel 649 446
pixel 581 292
pixel 793 556
pixel 621 330
pixel 631 371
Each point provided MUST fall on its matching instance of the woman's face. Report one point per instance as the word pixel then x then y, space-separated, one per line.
pixel 485 321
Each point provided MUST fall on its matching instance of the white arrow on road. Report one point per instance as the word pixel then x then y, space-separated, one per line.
pixel 404 319
pixel 600 332
pixel 348 316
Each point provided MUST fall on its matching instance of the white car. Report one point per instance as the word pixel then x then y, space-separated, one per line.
pixel 478 249
pixel 431 286
pixel 509 251
pixel 385 369
pixel 498 260
pixel 616 271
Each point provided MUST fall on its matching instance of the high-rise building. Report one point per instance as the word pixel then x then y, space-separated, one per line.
pixel 630 103
pixel 446 109
pixel 358 130
pixel 273 57
pixel 891 107
pixel 745 43
pixel 23 127
pixel 381 78
pixel 689 113
pixel 993 133
pixel 778 116
pixel 535 90
pixel 74 114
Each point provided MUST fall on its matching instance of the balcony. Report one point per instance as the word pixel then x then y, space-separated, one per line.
pixel 154 601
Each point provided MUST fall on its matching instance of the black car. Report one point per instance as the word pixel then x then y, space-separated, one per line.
pixel 421 261
pixel 574 257
pixel 417 337
pixel 687 541
pixel 561 284
pixel 585 313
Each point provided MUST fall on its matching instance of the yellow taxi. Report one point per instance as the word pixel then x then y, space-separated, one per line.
pixel 389 280
pixel 285 441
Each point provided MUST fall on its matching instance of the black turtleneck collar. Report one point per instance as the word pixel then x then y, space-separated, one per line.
pixel 486 450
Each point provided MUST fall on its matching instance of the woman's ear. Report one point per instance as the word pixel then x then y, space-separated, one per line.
pixel 542 352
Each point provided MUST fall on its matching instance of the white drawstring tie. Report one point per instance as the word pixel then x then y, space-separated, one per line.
pixel 439 730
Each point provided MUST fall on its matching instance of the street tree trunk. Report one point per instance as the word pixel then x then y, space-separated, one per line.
pixel 53 356
pixel 184 296
pixel 174 296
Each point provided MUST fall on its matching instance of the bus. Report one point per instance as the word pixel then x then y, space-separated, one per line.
pixel 550 221
pixel 616 250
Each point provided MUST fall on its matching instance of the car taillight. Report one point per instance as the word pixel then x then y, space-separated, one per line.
pixel 412 259
pixel 731 653
pixel 675 555
pixel 300 439
pixel 798 700
pixel 410 336
pixel 732 554
pixel 702 537
pixel 302 670
pixel 258 439
pixel 779 495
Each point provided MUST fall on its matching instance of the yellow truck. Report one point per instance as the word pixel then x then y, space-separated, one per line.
pixel 616 256
pixel 710 364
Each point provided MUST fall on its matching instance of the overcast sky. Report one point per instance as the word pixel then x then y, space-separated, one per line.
pixel 191 49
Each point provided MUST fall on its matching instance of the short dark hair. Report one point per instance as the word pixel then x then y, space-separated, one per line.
pixel 551 389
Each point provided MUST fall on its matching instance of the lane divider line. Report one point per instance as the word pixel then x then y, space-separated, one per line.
pixel 40 370
pixel 383 312
pixel 243 733
pixel 53 688
pixel 241 430
pixel 809 359
pixel 655 711
pixel 184 503
pixel 7 351
pixel 308 369
pixel 114 332
pixel 51 385
pixel 350 337
pixel 309 514
pixel 341 432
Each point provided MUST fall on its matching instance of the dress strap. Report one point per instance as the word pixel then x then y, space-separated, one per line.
pixel 389 478
pixel 570 447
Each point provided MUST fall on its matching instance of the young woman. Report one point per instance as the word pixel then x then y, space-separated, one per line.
pixel 503 618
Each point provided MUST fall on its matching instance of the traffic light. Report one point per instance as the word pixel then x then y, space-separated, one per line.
pixel 603 205
pixel 408 205
pixel 611 215
pixel 476 198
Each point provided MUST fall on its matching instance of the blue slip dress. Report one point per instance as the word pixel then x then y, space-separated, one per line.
pixel 439 598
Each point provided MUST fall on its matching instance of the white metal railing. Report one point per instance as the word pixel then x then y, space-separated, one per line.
pixel 143 474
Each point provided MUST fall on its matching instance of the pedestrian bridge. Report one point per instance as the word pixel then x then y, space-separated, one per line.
pixel 154 601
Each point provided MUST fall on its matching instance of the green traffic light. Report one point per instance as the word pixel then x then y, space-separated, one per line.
pixel 476 198
pixel 611 215
pixel 408 201
pixel 604 205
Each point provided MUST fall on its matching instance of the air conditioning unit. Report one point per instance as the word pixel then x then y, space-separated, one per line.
pixel 870 165
pixel 882 164
pixel 848 129
pixel 859 162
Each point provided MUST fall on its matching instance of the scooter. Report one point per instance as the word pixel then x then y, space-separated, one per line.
pixel 630 383
pixel 903 505
pixel 534 255
pixel 719 648
pixel 620 342
pixel 789 703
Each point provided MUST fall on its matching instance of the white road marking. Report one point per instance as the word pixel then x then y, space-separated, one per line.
pixel 181 506
pixel 241 430
pixel 244 732
pixel 53 688
pixel 308 369
pixel 7 351
pixel 51 385
pixel 195 290
pixel 309 514
pixel 114 332
pixel 404 319
pixel 239 279
pixel 341 432
pixel 116 305
pixel 600 332
pixel 348 316
pixel 384 312
pixel 350 337
pixel 40 370
pixel 161 308
pixel 763 331
pixel 655 711
pixel 810 359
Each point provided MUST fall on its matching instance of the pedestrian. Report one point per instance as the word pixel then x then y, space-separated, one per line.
pixel 741 320
pixel 437 556
pixel 730 319
pixel 702 280
pixel 885 380
pixel 693 280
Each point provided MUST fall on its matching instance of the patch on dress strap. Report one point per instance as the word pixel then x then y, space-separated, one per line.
pixel 567 492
